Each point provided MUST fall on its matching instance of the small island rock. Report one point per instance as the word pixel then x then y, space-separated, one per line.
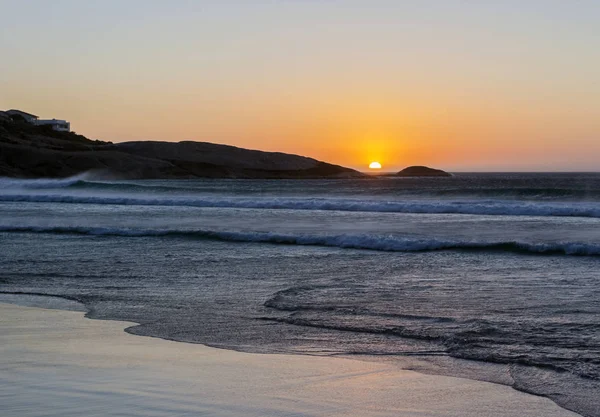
pixel 422 171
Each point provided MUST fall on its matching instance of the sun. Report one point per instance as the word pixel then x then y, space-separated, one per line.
pixel 375 165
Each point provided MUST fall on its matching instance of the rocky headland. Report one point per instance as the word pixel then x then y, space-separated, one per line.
pixel 28 151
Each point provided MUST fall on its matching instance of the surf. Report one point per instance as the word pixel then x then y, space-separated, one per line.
pixel 489 207
pixel 384 243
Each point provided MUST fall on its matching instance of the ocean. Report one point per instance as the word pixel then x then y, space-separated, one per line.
pixel 488 276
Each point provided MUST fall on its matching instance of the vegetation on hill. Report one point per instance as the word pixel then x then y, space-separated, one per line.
pixel 29 151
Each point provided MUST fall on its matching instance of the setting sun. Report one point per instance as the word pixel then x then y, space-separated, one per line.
pixel 375 165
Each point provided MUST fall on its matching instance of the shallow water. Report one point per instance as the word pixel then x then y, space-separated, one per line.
pixel 59 364
pixel 500 270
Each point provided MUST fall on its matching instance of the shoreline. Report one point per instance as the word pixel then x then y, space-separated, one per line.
pixel 55 362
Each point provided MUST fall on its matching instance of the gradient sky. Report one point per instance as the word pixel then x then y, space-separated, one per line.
pixel 459 85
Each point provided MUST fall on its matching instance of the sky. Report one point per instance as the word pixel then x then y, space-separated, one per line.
pixel 458 85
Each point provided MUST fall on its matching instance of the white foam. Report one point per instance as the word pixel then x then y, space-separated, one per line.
pixel 391 243
pixel 504 208
pixel 42 183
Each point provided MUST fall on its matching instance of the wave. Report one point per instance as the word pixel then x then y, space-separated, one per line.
pixel 504 208
pixel 90 181
pixel 388 243
pixel 532 193
pixel 94 181
pixel 45 183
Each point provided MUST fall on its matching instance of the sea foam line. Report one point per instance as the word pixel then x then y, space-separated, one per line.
pixel 44 183
pixel 504 208
pixel 389 243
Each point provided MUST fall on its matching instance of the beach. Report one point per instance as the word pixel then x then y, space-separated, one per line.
pixel 486 277
pixel 58 363
pixel 300 208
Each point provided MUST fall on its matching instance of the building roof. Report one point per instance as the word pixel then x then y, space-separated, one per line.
pixel 22 113
pixel 50 121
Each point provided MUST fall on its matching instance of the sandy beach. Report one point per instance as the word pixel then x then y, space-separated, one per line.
pixel 58 363
pixel 299 208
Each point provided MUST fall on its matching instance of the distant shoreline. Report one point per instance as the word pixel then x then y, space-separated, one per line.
pixel 28 151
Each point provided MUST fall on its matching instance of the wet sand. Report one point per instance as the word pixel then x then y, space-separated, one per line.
pixel 58 363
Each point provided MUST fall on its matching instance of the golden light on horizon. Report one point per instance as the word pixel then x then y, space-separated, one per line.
pixel 374 165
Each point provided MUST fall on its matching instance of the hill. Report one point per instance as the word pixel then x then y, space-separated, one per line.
pixel 422 171
pixel 28 151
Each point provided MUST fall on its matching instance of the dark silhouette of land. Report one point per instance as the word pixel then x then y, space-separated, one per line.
pixel 28 151
pixel 421 171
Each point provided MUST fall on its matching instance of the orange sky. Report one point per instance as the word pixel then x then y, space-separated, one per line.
pixel 455 85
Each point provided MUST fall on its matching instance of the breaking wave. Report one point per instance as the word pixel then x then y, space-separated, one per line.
pixel 504 208
pixel 44 183
pixel 389 243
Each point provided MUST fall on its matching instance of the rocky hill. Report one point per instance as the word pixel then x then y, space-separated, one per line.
pixel 29 151
pixel 421 171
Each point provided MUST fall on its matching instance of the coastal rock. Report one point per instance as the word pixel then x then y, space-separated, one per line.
pixel 422 171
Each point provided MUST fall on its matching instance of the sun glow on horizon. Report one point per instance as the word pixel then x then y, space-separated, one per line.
pixel 374 165
pixel 443 85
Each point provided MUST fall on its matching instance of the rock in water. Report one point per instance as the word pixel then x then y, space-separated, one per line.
pixel 422 171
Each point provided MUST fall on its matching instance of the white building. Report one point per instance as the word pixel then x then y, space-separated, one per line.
pixel 58 125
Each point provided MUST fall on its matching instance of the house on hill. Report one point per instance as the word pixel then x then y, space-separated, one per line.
pixel 28 117
pixel 58 125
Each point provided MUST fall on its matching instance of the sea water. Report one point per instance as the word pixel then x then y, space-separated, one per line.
pixel 487 276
